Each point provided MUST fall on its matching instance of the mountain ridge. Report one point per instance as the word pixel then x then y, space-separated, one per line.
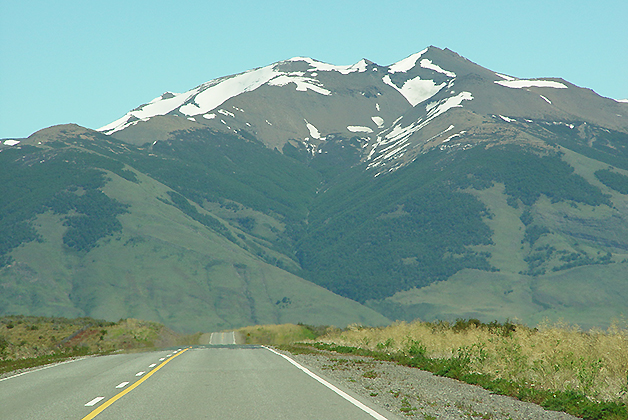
pixel 361 188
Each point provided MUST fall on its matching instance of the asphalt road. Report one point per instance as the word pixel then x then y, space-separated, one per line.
pixel 203 382
pixel 222 338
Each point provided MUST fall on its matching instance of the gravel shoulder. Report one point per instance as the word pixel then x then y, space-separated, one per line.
pixel 416 394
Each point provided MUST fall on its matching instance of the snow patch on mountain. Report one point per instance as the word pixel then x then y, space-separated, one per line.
pixel 209 116
pixel 226 113
pixel 622 100
pixel 444 105
pixel 507 119
pixel 359 129
pixel 360 66
pixel 379 121
pixel 11 142
pixel 394 144
pixel 416 90
pixel 159 106
pixel 302 83
pixel 215 93
pixel 314 133
pixel 503 76
pixel 427 64
pixel 406 64
pixel 451 127
pixel 448 139
pixel 522 83
pixel 546 100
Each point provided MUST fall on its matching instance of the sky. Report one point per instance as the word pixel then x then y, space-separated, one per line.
pixel 89 62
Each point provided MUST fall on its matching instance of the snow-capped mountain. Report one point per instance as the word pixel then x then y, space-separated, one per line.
pixel 433 98
pixel 309 192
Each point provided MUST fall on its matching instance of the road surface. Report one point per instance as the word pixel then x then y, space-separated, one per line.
pixel 223 338
pixel 201 382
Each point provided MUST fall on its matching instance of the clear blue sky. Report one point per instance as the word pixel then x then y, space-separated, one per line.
pixel 89 62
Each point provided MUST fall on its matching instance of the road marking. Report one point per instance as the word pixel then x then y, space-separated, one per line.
pixel 153 365
pixel 338 391
pixel 162 359
pixel 140 373
pixel 121 394
pixel 122 385
pixel 222 337
pixel 94 401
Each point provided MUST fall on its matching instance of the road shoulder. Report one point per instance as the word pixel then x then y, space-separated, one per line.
pixel 416 394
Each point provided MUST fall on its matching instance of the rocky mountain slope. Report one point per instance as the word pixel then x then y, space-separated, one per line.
pixel 303 191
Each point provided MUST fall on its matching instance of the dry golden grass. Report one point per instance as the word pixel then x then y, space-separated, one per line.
pixel 553 357
pixel 276 334
pixel 24 337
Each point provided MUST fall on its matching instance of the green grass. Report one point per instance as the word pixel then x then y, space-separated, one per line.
pixel 507 252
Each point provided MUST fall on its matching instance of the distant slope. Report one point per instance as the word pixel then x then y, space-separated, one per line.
pixel 588 296
pixel 159 264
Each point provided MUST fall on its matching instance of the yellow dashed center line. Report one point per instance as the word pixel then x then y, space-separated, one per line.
pixel 129 389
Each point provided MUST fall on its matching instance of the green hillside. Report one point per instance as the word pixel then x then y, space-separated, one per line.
pixel 166 259
pixel 588 296
pixel 431 219
pixel 208 230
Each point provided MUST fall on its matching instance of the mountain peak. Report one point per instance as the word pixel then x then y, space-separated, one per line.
pixel 397 111
pixel 407 63
pixel 316 65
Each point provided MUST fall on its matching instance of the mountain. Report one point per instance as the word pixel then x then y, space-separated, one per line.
pixel 308 192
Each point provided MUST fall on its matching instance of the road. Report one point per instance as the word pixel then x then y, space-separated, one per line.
pixel 200 382
pixel 222 338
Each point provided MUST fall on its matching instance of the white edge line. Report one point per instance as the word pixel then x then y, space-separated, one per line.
pixel 41 368
pixel 94 401
pixel 338 391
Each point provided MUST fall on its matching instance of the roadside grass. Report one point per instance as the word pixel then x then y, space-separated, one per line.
pixel 30 341
pixel 281 334
pixel 558 366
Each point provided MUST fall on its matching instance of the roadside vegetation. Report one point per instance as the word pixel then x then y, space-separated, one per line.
pixel 281 334
pixel 559 367
pixel 29 341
